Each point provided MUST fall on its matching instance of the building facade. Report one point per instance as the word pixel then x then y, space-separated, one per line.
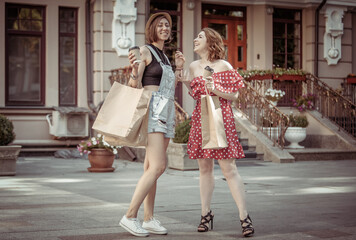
pixel 58 55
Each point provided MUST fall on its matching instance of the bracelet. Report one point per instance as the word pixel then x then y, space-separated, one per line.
pixel 133 76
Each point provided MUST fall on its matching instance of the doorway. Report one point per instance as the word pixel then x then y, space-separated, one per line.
pixel 230 22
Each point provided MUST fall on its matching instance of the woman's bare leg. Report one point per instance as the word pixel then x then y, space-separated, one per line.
pixel 207 183
pixel 150 198
pixel 236 185
pixel 156 155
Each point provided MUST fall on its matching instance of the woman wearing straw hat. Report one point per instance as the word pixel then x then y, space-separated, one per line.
pixel 156 74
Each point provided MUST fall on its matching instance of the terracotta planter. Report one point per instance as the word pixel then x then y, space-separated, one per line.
pixel 8 158
pixel 294 135
pixel 101 160
pixel 351 80
pixel 260 77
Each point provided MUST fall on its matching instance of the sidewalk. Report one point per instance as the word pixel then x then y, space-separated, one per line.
pixel 52 198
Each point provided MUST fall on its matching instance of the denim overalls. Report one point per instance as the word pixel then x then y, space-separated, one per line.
pixel 162 109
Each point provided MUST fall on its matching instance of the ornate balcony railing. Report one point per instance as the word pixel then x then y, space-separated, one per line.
pixel 262 113
pixel 349 91
pixel 332 104
pixel 327 101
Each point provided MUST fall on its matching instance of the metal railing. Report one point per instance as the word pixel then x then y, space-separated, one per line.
pixel 262 113
pixel 328 102
pixel 349 91
pixel 332 104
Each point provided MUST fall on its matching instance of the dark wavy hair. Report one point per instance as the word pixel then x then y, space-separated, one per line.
pixel 216 45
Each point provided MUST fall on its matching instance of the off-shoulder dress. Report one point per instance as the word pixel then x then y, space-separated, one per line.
pixel 228 81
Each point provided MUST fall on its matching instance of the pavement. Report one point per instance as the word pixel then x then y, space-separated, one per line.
pixel 58 199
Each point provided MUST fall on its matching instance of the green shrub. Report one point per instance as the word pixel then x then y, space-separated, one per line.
pixel 298 121
pixel 182 132
pixel 7 134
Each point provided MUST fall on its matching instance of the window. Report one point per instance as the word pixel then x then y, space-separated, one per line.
pixel 174 9
pixel 287 38
pixel 67 56
pixel 24 55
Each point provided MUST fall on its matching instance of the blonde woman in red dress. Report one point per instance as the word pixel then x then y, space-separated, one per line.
pixel 225 83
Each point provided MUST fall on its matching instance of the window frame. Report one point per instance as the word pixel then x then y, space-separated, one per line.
pixel 42 55
pixel 286 22
pixel 75 35
pixel 179 34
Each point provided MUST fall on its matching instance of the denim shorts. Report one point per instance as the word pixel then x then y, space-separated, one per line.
pixel 161 115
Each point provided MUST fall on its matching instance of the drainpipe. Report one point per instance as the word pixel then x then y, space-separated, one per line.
pixel 101 51
pixel 316 52
pixel 89 63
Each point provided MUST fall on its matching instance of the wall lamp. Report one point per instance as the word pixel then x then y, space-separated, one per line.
pixel 190 4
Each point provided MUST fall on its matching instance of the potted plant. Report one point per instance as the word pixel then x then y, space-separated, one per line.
pixel 274 95
pixel 283 74
pixel 296 131
pixel 304 102
pixel 8 153
pixel 101 154
pixel 177 155
pixel 255 74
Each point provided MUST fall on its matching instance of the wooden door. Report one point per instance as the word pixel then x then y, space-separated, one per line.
pixel 233 31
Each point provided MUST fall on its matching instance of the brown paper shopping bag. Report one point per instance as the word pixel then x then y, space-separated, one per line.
pixel 212 125
pixel 123 117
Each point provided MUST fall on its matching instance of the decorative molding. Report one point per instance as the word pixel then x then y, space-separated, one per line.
pixel 333 33
pixel 123 26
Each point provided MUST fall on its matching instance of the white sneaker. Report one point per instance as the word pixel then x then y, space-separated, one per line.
pixel 154 226
pixel 133 226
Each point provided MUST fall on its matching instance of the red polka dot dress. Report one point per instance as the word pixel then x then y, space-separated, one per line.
pixel 228 82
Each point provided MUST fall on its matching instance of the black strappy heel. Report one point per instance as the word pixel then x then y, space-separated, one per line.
pixel 247 228
pixel 207 219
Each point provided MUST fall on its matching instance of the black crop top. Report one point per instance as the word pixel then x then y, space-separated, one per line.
pixel 153 71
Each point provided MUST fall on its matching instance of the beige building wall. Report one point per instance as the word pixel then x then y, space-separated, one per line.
pixel 333 75
pixel 353 30
pixel 105 57
pixel 30 125
pixel 259 38
pixel 2 53
pixel 191 21
pixel 308 39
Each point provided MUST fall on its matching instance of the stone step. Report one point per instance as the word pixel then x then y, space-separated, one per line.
pixel 250 154
pixel 321 154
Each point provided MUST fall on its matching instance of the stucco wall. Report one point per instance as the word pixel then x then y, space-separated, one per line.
pixel 333 75
pixel 259 38
pixel 30 125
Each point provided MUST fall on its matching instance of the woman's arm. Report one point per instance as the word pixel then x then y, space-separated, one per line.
pixel 138 69
pixel 187 77
pixel 179 61
pixel 211 88
pixel 221 66
pixel 228 96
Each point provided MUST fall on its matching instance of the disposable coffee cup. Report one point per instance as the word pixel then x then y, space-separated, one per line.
pixel 136 50
pixel 208 71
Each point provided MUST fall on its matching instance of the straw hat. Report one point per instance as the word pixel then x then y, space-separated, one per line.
pixel 154 16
